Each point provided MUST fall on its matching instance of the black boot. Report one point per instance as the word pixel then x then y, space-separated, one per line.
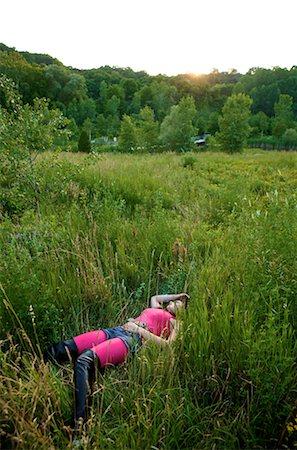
pixel 84 375
pixel 62 352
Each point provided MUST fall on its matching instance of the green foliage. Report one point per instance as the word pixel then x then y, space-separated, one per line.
pixel 148 130
pixel 290 137
pixel 104 95
pixel 260 124
pixel 234 123
pixel 84 144
pixel 177 128
pixel 128 134
pixel 81 110
pixel 283 108
pixel 189 161
pixel 28 77
pixel 283 115
pixel 24 129
pixel 164 97
pixel 31 128
pixel 63 86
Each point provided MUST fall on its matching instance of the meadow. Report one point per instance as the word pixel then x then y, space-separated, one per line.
pixel 100 235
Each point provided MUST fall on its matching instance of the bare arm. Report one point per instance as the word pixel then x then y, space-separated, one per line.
pixel 158 300
pixel 175 327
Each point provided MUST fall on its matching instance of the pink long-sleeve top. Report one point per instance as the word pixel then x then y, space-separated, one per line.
pixel 157 321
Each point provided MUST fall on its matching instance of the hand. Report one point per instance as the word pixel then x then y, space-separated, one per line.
pixel 173 323
pixel 131 326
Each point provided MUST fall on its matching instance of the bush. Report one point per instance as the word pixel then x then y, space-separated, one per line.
pixel 84 143
pixel 290 137
pixel 24 129
pixel 189 161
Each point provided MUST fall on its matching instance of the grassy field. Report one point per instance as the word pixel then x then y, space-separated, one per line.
pixel 104 233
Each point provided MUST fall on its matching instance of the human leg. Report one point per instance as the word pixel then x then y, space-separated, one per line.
pixel 84 374
pixel 69 350
pixel 62 352
pixel 89 340
pixel 110 352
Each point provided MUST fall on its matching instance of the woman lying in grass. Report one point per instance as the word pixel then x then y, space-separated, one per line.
pixel 111 346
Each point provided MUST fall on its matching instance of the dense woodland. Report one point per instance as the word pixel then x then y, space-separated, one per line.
pixel 108 102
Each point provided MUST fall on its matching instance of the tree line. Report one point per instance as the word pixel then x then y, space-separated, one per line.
pixel 146 112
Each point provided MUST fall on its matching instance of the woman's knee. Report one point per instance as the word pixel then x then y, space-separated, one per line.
pixel 87 360
pixel 111 352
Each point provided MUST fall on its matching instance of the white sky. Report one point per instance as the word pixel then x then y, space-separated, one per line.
pixel 158 36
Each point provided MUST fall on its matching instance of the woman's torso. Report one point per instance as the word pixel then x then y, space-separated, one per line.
pixel 157 321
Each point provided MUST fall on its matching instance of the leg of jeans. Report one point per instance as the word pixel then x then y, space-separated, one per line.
pixel 84 374
pixel 62 352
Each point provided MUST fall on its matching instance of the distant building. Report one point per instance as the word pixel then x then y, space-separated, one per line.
pixel 200 141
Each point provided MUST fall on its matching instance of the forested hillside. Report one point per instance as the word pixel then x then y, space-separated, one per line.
pixel 98 100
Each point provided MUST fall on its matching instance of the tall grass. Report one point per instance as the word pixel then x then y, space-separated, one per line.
pixel 110 232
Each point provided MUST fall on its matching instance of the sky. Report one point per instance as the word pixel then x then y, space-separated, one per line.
pixel 158 36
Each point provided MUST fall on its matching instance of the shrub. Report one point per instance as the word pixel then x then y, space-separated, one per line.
pixel 189 161
pixel 290 137
pixel 84 143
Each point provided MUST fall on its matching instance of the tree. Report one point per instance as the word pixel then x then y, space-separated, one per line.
pixel 88 127
pixel 263 87
pixel 128 134
pixel 30 128
pixel 113 106
pixel 146 96
pixel 213 122
pixel 218 95
pixel 74 89
pixel 24 129
pixel 260 123
pixel 113 126
pixel 107 126
pixel 290 137
pixel 234 123
pixel 264 98
pixel 177 128
pixel 84 144
pixel 164 97
pixel 29 78
pixel 63 86
pixel 148 130
pixel 81 110
pixel 130 86
pixel 103 88
pixel 283 110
